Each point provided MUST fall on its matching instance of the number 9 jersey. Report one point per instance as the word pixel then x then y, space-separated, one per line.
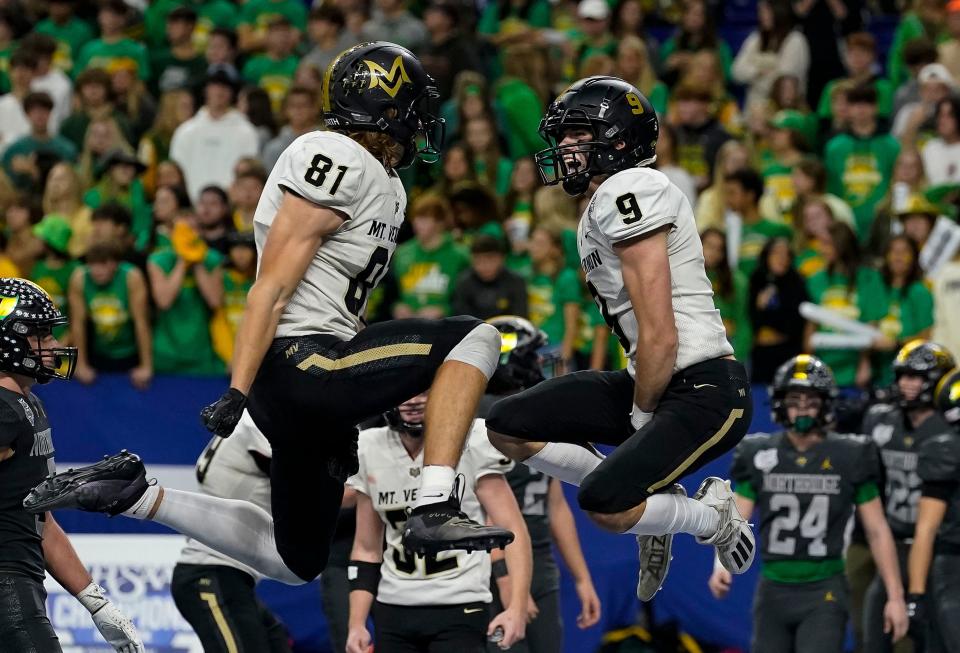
pixel 633 203
pixel 332 170
pixel 805 498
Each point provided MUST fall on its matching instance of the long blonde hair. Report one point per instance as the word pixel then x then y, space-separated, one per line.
pixel 87 164
pixel 167 119
pixel 648 76
pixel 72 195
pixel 383 148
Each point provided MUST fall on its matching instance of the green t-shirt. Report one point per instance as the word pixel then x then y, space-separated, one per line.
pixel 659 95
pixel 522 109
pixel 5 68
pixel 865 302
pixel 752 239
pixel 885 93
pixel 547 296
pixel 427 278
pixel 519 263
pixel 809 261
pixel 170 72
pixel 726 58
pixel 56 281
pixel 258 13
pixel 859 172
pixel 499 181
pixel 134 200
pixel 108 307
pixel 70 37
pixel 491 23
pixel 735 313
pixel 909 311
pixel 218 13
pixel 181 334
pixel 778 182
pixel 909 28
pixel 275 76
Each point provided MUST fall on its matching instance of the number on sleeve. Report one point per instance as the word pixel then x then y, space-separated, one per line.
pixel 629 208
pixel 316 174
pixel 366 280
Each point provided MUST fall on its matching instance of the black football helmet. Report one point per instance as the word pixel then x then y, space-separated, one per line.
pixel 408 417
pixel 521 365
pixel 624 127
pixel 804 372
pixel 946 398
pixel 382 87
pixel 924 359
pixel 26 310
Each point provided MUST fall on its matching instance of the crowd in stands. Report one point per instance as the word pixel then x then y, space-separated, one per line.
pixel 136 139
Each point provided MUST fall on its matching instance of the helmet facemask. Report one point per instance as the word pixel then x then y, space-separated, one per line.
pixel 33 359
pixel 409 417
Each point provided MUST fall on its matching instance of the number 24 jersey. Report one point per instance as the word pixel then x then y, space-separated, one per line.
pixel 334 171
pixel 805 499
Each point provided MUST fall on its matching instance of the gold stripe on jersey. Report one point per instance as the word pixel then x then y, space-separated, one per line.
pixel 211 600
pixel 734 415
pixel 366 356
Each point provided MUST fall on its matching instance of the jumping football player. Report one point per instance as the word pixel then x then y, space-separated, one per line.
pixel 684 400
pixel 541 500
pixel 438 603
pixel 804 483
pixel 214 593
pixel 32 544
pixel 935 552
pixel 900 430
pixel 326 227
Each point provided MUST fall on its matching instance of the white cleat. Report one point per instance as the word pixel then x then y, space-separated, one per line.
pixel 734 538
pixel 655 558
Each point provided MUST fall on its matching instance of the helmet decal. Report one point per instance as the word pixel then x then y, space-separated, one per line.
pixel 8 305
pixel 389 80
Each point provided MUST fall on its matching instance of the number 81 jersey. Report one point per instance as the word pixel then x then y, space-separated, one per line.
pixel 391 478
pixel 805 498
pixel 332 170
pixel 631 204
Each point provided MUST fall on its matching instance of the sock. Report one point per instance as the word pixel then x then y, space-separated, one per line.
pixel 671 513
pixel 436 481
pixel 239 529
pixel 141 509
pixel 570 463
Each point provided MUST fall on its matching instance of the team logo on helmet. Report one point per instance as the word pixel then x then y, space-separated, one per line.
pixel 389 80
pixel 8 305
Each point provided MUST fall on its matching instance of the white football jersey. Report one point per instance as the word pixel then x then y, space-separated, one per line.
pixel 391 478
pixel 227 469
pixel 333 170
pixel 629 204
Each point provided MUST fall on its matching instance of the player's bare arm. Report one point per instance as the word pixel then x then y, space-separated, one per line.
pixel 564 532
pixel 499 503
pixel 884 552
pixel 930 514
pixel 646 276
pixel 140 313
pixel 367 549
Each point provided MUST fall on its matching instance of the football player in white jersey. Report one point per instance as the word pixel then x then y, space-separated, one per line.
pixel 213 592
pixel 438 603
pixel 305 365
pixel 684 400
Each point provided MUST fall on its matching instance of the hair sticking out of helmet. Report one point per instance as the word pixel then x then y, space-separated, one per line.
pixel 598 126
pixel 807 374
pixel 926 361
pixel 27 319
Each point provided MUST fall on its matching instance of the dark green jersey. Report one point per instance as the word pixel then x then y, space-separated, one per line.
pixel 530 487
pixel 939 465
pixel 805 499
pixel 899 445
pixel 25 429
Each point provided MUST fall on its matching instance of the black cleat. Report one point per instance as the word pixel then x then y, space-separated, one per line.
pixel 111 486
pixel 438 527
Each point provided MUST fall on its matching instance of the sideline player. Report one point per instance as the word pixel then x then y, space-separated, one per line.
pixel 214 593
pixel 541 500
pixel 438 603
pixel 684 399
pixel 900 430
pixel 30 544
pixel 935 552
pixel 326 227
pixel 804 482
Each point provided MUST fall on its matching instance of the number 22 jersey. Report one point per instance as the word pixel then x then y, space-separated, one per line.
pixel 334 171
pixel 630 204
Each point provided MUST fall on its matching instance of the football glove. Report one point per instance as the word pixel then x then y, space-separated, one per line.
pixel 115 627
pixel 221 417
pixel 917 611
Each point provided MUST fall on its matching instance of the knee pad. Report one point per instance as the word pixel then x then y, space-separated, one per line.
pixel 480 348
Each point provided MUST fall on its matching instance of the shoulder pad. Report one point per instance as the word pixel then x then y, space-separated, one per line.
pixel 940 458
pixel 325 168
pixel 633 202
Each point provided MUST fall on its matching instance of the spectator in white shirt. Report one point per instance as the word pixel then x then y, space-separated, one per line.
pixel 13 119
pixel 941 155
pixel 49 79
pixel 208 145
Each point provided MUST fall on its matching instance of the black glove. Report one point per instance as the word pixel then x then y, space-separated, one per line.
pixel 221 417
pixel 345 461
pixel 917 611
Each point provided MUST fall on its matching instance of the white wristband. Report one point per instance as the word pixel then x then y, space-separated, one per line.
pixel 638 418
pixel 92 598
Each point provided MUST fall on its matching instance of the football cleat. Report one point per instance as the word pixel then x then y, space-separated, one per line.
pixel 655 557
pixel 734 540
pixel 111 486
pixel 437 527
